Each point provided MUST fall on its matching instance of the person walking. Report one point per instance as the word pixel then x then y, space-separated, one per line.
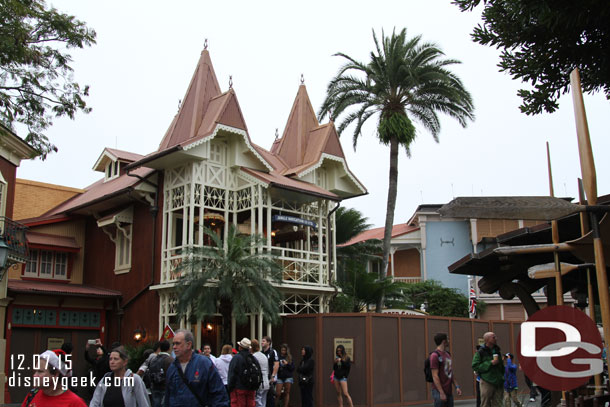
pixel 241 395
pixel 488 364
pixel 48 376
pixel 192 379
pixel 120 387
pixel 285 374
pixel 305 371
pixel 222 364
pixel 510 382
pixel 341 367
pixel 442 373
pixel 261 394
pixel 157 372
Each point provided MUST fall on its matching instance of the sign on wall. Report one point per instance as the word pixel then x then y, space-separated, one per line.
pixel 348 344
pixel 54 343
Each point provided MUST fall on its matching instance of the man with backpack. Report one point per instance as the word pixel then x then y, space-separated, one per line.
pixel 157 371
pixel 441 369
pixel 487 362
pixel 244 376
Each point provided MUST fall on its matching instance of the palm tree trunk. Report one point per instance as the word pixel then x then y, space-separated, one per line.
pixel 226 310
pixel 389 216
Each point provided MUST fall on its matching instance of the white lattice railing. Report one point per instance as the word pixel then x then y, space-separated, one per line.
pixel 408 280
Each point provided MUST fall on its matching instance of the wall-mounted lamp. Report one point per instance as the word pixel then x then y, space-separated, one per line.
pixel 209 327
pixel 139 334
pixel 4 248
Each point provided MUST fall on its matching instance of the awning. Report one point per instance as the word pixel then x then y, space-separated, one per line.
pixel 48 288
pixel 52 242
pixel 124 216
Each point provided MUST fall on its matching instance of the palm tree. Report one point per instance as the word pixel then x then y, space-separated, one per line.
pixel 405 80
pixel 235 281
pixel 349 223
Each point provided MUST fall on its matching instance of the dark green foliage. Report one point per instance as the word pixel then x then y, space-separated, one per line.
pixel 350 223
pixel 234 281
pixel 442 301
pixel 405 80
pixel 36 81
pixel 136 354
pixel 542 41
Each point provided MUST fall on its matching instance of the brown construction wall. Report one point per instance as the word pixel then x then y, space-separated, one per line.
pixel 407 263
pixel 389 353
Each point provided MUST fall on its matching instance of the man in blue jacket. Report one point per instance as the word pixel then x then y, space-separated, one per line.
pixel 204 386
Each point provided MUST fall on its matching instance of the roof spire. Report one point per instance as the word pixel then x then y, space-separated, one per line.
pixel 302 79
pixel 205 44
pixel 230 81
pixel 277 133
pixel 179 104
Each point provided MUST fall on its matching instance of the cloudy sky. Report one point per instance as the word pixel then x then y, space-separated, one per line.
pixel 146 52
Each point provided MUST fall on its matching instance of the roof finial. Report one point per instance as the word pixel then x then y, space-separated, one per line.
pixel 230 81
pixel 302 79
pixel 277 133
pixel 179 103
pixel 330 115
pixel 205 44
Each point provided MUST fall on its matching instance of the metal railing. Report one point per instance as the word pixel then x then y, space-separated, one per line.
pixel 408 280
pixel 13 234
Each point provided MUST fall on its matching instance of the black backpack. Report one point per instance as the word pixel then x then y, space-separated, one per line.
pixel 427 369
pixel 251 376
pixel 157 369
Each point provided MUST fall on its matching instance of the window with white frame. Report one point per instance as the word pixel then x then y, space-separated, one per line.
pixel 46 264
pixel 122 244
pixel 2 195
pixel 112 170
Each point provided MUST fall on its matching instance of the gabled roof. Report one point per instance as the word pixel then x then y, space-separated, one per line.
pixel 111 154
pixel 304 146
pixel 377 233
pixel 304 139
pixel 101 190
pixel 278 180
pixel 203 88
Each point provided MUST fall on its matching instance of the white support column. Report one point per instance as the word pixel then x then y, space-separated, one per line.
pixel 333 249
pixel 268 222
pixel 162 313
pixel 260 325
pixel 474 234
pixel 191 208
pixel 320 245
pixel 198 335
pixel 233 331
pixel 269 330
pixel 252 326
pixel 392 251
pixel 260 210
pixel 422 227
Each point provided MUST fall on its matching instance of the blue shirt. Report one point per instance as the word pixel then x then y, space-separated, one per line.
pixel 203 378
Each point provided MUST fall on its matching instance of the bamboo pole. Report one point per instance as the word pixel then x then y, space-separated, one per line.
pixel 555 234
pixel 584 228
pixel 589 177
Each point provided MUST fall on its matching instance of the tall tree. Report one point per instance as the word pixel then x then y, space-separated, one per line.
pixel 405 80
pixel 36 82
pixel 233 281
pixel 440 300
pixel 543 41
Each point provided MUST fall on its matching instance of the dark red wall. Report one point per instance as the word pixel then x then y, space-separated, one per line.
pixel 140 305
pixel 9 172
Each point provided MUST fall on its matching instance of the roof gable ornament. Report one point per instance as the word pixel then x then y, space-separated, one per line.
pixel 230 81
pixel 205 44
pixel 302 79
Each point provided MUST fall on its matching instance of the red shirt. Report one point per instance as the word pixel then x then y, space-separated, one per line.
pixel 66 399
pixel 445 369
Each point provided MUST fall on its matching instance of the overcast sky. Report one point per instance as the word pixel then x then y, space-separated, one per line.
pixel 146 53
